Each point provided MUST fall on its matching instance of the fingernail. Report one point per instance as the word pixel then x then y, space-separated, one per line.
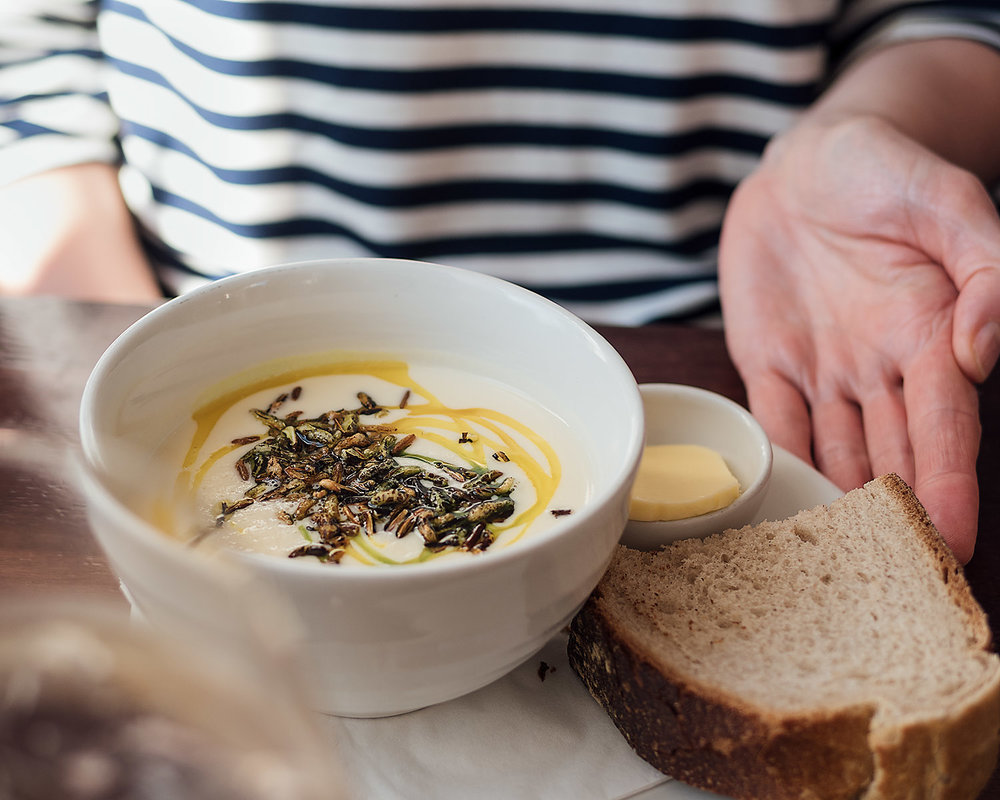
pixel 986 348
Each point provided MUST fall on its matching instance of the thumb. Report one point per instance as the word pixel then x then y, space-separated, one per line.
pixel 957 225
pixel 976 329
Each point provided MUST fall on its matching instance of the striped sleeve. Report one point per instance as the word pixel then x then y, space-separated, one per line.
pixel 870 24
pixel 53 104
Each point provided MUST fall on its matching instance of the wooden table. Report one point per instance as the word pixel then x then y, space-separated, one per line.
pixel 48 347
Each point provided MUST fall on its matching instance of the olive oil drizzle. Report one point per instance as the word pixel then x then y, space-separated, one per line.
pixel 480 438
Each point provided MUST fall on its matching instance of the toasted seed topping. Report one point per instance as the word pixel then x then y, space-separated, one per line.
pixel 345 479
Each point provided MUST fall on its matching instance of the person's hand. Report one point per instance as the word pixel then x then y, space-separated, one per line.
pixel 860 283
pixel 68 232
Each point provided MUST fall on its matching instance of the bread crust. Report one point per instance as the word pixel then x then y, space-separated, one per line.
pixel 952 574
pixel 952 758
pixel 710 743
pixel 709 739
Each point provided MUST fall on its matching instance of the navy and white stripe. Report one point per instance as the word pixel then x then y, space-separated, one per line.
pixel 582 148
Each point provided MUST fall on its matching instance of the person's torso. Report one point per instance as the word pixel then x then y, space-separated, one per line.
pixel 580 147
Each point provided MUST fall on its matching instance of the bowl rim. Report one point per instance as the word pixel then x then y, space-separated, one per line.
pixel 518 551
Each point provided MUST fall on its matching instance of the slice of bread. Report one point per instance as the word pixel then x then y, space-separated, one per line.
pixel 835 654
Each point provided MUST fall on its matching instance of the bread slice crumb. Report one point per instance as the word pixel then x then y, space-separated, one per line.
pixel 835 654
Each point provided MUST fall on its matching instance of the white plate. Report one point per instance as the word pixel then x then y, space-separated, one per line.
pixel 525 737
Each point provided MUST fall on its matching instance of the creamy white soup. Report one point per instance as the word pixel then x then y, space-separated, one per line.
pixel 376 463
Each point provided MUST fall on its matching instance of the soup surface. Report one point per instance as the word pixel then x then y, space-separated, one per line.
pixel 375 462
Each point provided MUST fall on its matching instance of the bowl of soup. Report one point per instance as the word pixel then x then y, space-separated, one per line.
pixel 426 468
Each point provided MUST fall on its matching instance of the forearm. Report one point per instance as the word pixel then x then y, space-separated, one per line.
pixel 68 232
pixel 943 93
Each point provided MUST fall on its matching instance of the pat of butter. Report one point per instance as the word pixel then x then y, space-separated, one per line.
pixel 676 481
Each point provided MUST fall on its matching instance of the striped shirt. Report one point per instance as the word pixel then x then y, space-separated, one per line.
pixel 583 148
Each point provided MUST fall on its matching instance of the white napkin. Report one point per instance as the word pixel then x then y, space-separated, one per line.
pixel 520 737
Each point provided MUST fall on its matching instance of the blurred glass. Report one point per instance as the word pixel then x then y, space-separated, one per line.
pixel 95 704
pixel 93 707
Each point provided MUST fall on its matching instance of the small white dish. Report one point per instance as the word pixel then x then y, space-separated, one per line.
pixel 677 414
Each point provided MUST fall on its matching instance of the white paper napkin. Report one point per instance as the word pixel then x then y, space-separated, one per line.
pixel 521 737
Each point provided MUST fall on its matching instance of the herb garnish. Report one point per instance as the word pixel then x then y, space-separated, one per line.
pixel 345 478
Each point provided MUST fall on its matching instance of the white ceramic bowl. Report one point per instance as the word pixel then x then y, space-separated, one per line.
pixel 375 641
pixel 677 414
